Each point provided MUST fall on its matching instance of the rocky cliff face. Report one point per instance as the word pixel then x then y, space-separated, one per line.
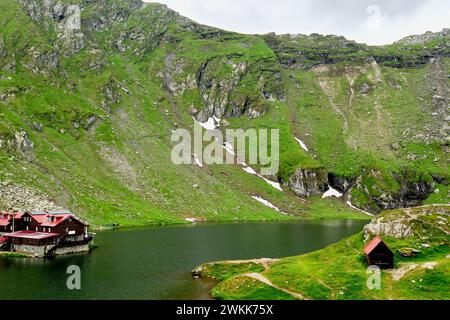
pixel 421 222
pixel 309 182
pixel 228 85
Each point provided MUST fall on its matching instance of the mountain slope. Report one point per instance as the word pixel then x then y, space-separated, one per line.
pixel 86 116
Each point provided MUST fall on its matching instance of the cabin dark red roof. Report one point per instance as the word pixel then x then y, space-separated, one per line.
pixel 372 245
pixel 379 254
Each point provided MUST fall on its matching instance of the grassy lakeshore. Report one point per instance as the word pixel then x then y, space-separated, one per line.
pixel 339 272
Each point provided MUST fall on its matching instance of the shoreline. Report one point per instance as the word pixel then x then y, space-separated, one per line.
pixel 102 228
pixel 205 223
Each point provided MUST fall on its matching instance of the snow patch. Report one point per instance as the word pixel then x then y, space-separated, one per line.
pixel 211 124
pixel 267 204
pixel 229 148
pixel 353 207
pixel 250 170
pixel 217 120
pixel 197 161
pixel 274 184
pixel 302 144
pixel 332 193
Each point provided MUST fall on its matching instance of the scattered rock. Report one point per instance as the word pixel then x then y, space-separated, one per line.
pixel 15 197
pixel 365 89
pixel 429 265
pixel 408 252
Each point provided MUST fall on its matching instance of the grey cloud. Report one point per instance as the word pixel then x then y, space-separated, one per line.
pixel 349 18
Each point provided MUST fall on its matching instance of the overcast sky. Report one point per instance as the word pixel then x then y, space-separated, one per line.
pixel 368 21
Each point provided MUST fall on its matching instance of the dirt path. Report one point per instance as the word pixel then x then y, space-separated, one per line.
pixel 398 273
pixel 265 262
pixel 266 281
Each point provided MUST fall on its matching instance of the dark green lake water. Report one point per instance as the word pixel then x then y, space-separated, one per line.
pixel 155 263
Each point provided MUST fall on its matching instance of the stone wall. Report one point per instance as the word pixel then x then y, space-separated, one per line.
pixel 32 250
pixel 74 249
pixel 40 251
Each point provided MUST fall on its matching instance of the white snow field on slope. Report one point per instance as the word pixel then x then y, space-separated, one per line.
pixel 302 144
pixel 332 193
pixel 267 204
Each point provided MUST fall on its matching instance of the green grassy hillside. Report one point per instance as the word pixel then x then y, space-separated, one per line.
pixel 86 117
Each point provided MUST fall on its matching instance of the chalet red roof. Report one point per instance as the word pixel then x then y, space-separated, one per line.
pixel 53 220
pixel 48 220
pixel 3 240
pixel 372 245
pixel 4 222
pixel 7 217
pixel 44 219
pixel 31 235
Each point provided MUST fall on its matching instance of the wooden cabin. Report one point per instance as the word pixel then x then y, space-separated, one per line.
pixel 31 242
pixel 10 222
pixel 41 233
pixel 379 254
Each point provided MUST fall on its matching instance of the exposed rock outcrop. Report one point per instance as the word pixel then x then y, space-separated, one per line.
pixel 408 223
pixel 220 85
pixel 308 182
pixel 65 19
pixel 385 191
pixel 20 142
